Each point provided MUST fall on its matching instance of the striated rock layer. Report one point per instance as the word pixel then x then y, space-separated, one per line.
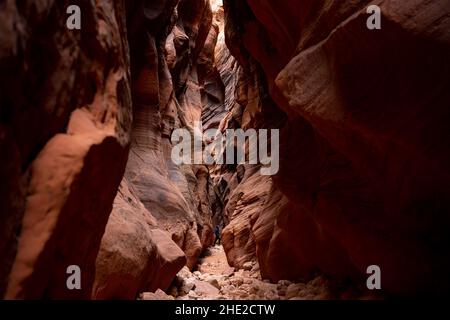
pixel 241 189
pixel 364 173
pixel 162 213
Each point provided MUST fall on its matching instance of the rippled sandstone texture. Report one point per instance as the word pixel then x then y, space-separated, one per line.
pixel 162 213
pixel 364 159
pixel 245 104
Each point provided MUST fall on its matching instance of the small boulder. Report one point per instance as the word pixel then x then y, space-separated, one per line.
pixel 213 281
pixel 294 289
pixel 187 286
pixel 158 295
pixel 247 266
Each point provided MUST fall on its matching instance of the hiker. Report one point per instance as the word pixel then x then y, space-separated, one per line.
pixel 217 234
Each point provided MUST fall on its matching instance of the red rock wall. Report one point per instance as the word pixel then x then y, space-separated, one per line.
pixel 81 111
pixel 241 188
pixel 64 130
pixel 364 160
pixel 162 213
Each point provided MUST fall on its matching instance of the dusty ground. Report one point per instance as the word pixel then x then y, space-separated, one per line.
pixel 215 262
pixel 215 279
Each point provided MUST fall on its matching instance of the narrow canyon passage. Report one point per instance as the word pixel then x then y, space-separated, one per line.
pixel 107 131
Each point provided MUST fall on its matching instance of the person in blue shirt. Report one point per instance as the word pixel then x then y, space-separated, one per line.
pixel 217 234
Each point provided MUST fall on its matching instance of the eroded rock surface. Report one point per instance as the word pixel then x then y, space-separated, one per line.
pixel 172 202
pixel 135 255
pixel 65 119
pixel 364 151
pixel 90 101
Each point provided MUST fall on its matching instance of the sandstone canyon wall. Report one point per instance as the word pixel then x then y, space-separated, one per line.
pixel 64 131
pixel 75 106
pixel 364 172
pixel 161 208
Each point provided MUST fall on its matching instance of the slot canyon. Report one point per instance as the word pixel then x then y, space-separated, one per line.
pixel 87 177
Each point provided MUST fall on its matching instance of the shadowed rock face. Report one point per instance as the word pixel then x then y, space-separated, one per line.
pixel 65 121
pixel 364 161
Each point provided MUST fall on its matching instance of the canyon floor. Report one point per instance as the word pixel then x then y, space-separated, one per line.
pixel 214 279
